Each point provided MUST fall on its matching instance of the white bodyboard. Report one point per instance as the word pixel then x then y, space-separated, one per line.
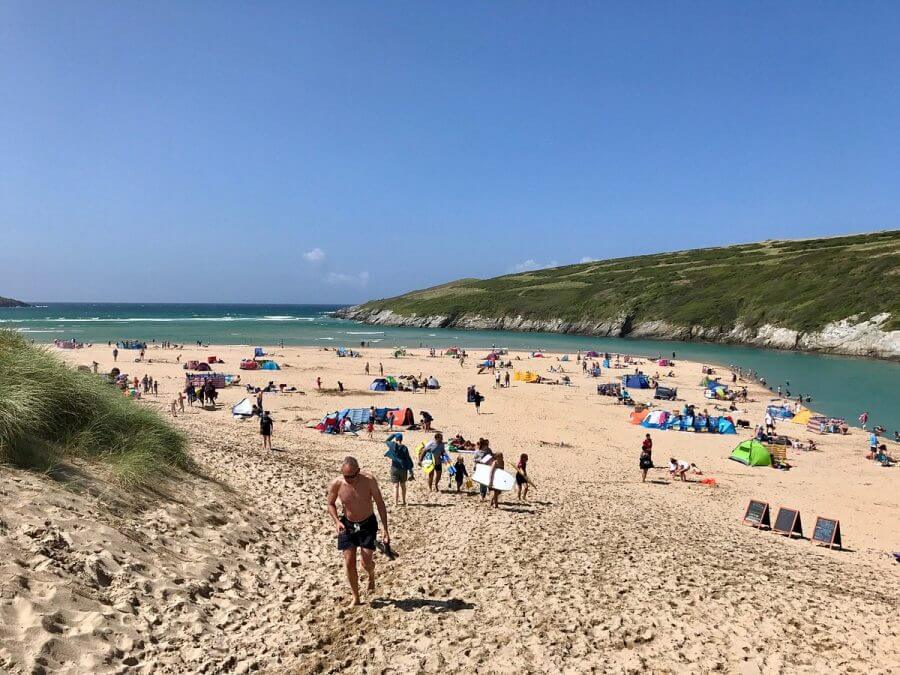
pixel 503 480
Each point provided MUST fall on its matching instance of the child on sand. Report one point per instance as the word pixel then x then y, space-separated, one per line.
pixel 265 429
pixel 678 468
pixel 459 472
pixel 646 463
pixel 522 480
pixel 370 427
pixel 497 463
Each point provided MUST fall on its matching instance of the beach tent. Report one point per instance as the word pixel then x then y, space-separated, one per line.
pixel 378 384
pixel 249 364
pixel 665 393
pixel 131 344
pixel 655 420
pixel 592 354
pixel 525 376
pixel 565 357
pixel 432 383
pixel 258 351
pixel 707 381
pixel 636 381
pixel 609 389
pixel 752 453
pixel 779 412
pixel 243 408
pixel 638 416
pixel 269 365
pixel 357 416
pixel 452 350
pixel 202 366
pixel 716 390
pixel 403 417
pixel 725 426
pixel 664 362
pixel 392 383
pixel 219 380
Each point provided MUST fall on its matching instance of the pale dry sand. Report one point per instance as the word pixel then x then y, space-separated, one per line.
pixel 237 570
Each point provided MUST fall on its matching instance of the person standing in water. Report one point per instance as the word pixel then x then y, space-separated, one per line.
pixel 357 528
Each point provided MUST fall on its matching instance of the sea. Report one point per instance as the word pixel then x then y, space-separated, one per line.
pixel 839 386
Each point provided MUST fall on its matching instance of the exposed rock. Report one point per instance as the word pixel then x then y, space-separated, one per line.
pixel 853 336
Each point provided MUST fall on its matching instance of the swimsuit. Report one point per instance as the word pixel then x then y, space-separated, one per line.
pixel 358 535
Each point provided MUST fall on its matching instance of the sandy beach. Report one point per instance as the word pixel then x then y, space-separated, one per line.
pixel 236 569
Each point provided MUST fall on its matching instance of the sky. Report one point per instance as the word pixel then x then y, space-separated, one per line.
pixel 338 152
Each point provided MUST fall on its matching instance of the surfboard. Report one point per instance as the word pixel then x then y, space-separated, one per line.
pixel 428 464
pixel 502 479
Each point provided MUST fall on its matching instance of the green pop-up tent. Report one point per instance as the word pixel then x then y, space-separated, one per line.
pixel 752 453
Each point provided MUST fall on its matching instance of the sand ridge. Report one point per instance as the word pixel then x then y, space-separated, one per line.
pixel 237 571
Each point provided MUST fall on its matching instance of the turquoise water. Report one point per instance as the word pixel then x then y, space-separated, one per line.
pixel 840 386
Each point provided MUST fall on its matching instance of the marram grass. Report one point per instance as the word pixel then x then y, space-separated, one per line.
pixel 49 411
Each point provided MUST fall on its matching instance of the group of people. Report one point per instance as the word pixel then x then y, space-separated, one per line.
pixel 148 385
pixel 678 468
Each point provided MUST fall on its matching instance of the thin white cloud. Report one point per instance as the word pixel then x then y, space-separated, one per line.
pixel 340 279
pixel 314 256
pixel 530 265
pixel 587 259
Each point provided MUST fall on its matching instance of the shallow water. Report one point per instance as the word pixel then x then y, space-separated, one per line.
pixel 840 386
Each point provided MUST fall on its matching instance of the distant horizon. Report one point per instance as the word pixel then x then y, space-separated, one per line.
pixel 409 290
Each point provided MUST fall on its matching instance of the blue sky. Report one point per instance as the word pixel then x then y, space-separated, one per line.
pixel 334 152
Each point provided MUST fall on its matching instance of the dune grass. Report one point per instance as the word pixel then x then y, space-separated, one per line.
pixel 49 412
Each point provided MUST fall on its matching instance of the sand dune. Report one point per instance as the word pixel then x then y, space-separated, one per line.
pixel 236 570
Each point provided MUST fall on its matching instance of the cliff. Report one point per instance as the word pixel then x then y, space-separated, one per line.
pixel 9 302
pixel 838 295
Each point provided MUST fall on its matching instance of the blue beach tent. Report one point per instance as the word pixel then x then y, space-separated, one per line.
pixel 636 381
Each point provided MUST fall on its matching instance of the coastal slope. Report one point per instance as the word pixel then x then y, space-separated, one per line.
pixel 9 302
pixel 839 295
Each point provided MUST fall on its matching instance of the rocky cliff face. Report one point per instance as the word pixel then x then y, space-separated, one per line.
pixel 852 336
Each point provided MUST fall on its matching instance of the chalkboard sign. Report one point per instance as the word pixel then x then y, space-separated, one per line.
pixel 757 514
pixel 787 522
pixel 827 532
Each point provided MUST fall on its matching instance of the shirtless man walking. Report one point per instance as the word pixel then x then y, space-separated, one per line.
pixel 357 528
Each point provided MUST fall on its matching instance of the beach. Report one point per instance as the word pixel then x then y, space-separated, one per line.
pixel 236 569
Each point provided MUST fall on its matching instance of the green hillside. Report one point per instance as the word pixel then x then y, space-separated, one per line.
pixel 793 284
pixel 9 302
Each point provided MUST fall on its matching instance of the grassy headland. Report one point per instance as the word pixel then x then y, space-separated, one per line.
pixel 800 285
pixel 49 411
pixel 9 302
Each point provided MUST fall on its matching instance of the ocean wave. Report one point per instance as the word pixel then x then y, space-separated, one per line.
pixel 325 338
pixel 157 319
pixel 365 332
pixel 47 330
